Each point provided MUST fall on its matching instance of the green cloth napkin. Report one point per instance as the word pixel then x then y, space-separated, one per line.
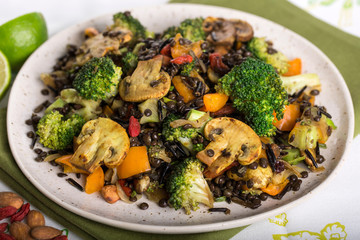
pixel 343 49
pixel 84 228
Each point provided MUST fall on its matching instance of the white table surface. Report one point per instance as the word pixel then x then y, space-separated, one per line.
pixel 331 214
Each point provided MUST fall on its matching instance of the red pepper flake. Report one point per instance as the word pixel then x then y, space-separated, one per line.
pixel 6 212
pixel 3 227
pixel 182 59
pixel 166 51
pixel 126 189
pixel 21 214
pixel 134 127
pixel 4 236
pixel 217 64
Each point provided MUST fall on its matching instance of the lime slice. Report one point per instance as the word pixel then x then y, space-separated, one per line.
pixel 5 74
pixel 21 36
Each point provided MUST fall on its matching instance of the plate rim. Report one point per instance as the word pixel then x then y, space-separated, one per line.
pixel 197 228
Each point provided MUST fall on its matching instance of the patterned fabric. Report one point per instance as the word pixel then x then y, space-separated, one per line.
pixel 343 14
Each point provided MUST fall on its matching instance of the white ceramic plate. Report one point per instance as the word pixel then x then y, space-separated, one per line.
pixel 25 96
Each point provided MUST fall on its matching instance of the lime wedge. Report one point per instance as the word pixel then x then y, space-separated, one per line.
pixel 5 74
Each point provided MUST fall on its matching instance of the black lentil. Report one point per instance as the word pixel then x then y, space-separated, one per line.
pixel 217 192
pixel 249 183
pixel 30 134
pixel 220 180
pixel 317 118
pixel 29 122
pixel 314 92
pixel 133 198
pixel 293 178
pixel 227 193
pixel 62 175
pixel 263 196
pixel 320 159
pixel 163 203
pixel 304 174
pixel 253 165
pixel 37 150
pixel 210 152
pixel 263 162
pixel 45 92
pixel 147 112
pixel 144 206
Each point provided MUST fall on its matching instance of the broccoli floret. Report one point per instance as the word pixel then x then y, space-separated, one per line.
pixel 189 28
pixel 98 79
pixel 170 32
pixel 187 186
pixel 129 63
pixel 126 21
pixel 198 147
pixel 158 152
pixel 295 83
pixel 256 90
pixel 56 132
pixel 259 47
pixel 188 68
pixel 192 29
pixel 179 134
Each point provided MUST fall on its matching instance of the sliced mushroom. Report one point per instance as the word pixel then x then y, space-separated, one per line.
pixel 146 82
pixel 243 30
pixel 231 140
pixel 99 45
pixel 101 141
pixel 222 33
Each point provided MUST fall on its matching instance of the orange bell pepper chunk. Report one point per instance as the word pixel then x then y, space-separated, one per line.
pixel 136 162
pixel 214 101
pixel 291 113
pixel 294 67
pixel 273 189
pixel 95 181
pixel 182 89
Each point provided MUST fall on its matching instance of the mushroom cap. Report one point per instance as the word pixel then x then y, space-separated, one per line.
pixel 146 82
pixel 231 140
pixel 222 32
pixel 243 30
pixel 101 141
pixel 99 45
